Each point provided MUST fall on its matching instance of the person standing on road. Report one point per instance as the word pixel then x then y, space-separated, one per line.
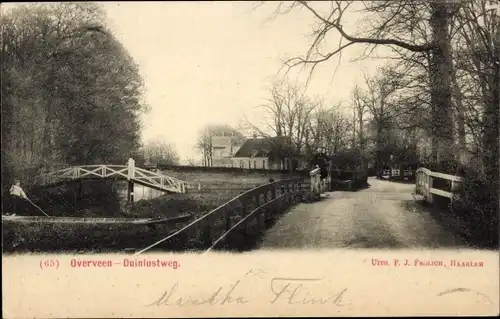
pixel 18 197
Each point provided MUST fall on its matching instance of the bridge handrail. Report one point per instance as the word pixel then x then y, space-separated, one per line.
pixel 318 186
pixel 236 200
pixel 129 172
pixel 242 221
pixel 424 184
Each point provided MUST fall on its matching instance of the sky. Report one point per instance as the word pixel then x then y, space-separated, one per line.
pixel 213 62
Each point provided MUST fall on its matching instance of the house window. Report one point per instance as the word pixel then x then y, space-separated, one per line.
pixel 241 164
pixel 264 164
pixel 254 164
pixel 249 164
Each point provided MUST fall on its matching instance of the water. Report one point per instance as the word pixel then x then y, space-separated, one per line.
pixel 97 198
pixel 140 192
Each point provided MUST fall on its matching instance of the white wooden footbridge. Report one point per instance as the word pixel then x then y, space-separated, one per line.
pixel 129 172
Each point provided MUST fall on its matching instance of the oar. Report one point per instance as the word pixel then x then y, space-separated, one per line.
pixel 37 207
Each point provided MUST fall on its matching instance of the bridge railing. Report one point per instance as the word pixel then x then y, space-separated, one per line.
pixel 426 181
pixel 129 172
pixel 318 186
pixel 238 220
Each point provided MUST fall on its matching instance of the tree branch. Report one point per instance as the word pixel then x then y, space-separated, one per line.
pixel 412 47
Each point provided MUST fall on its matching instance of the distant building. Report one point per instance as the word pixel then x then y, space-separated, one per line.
pixel 223 149
pixel 263 153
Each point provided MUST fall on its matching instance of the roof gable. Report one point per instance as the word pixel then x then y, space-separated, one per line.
pixel 259 147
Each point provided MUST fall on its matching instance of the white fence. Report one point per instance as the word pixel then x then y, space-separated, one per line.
pixel 130 172
pixel 424 184
pixel 397 172
pixel 318 186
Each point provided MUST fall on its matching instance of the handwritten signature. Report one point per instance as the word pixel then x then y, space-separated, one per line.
pixel 455 290
pixel 294 291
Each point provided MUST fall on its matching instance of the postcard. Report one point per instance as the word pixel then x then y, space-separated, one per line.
pixel 250 159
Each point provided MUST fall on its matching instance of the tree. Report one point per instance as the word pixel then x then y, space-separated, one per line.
pixel 191 161
pixel 71 94
pixel 288 114
pixel 477 80
pixel 159 152
pixel 206 135
pixel 393 24
pixel 376 100
pixel 359 109
pixel 330 128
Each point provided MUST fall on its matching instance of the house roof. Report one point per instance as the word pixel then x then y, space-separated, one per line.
pixel 221 141
pixel 261 147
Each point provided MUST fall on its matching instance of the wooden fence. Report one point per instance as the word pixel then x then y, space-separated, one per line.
pixel 427 183
pixel 238 221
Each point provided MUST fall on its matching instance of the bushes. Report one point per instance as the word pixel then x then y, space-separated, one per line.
pixel 477 205
pixel 172 205
pixel 43 237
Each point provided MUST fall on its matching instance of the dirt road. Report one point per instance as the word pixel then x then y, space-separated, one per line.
pixel 385 215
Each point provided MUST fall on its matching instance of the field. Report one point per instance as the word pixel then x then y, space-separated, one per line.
pixel 216 189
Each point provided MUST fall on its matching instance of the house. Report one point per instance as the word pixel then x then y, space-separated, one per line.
pixel 223 149
pixel 263 153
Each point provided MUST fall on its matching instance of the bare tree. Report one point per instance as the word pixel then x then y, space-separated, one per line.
pixel 376 98
pixel 477 80
pixel 157 151
pixel 191 161
pixel 204 146
pixel 331 129
pixel 288 114
pixel 359 109
pixel 393 23
pixel 204 143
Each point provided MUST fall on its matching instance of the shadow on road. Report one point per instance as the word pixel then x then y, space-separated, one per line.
pixel 475 238
pixel 355 187
pixel 408 182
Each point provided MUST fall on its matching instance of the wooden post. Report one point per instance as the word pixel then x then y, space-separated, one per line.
pixel 207 232
pixel 80 190
pixel 130 178
pixel 313 186
pixel 429 186
pixel 74 201
pixel 130 192
pixel 244 212
pixel 261 218
pixel 390 166
pixel 227 219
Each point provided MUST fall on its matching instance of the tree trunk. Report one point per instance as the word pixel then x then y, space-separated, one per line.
pixel 460 119
pixel 354 128
pixel 491 118
pixel 441 65
pixel 379 147
pixel 361 139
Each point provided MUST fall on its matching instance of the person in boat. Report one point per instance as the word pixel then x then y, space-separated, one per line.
pixel 17 198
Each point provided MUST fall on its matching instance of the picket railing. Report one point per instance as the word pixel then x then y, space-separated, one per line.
pixel 425 180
